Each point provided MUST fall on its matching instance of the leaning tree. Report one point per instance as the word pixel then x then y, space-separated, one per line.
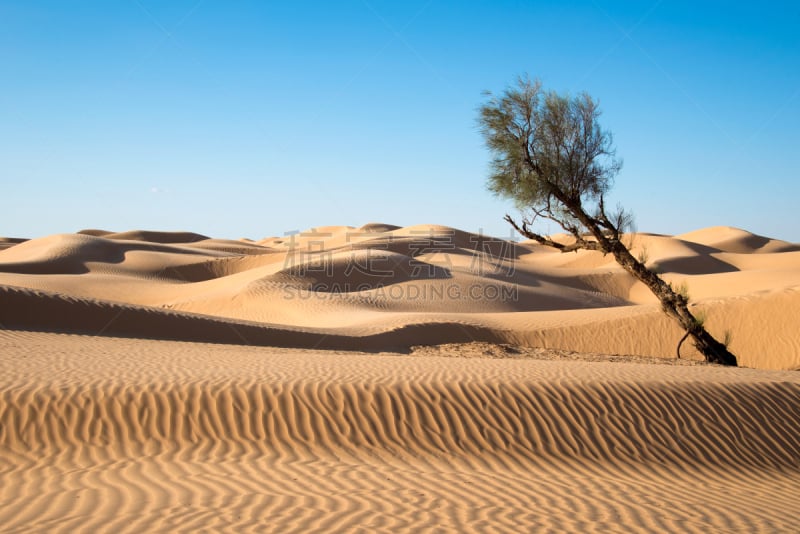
pixel 552 158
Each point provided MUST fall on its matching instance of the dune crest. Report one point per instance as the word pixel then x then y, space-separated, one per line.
pixel 736 240
pixel 356 283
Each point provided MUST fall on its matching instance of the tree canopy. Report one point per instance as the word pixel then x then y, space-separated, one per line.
pixel 550 156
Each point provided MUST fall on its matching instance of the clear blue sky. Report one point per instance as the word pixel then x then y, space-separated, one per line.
pixel 253 118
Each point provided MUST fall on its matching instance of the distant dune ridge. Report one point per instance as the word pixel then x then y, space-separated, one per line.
pixel 357 285
pixel 388 379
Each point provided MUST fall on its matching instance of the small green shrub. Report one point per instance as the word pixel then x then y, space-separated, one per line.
pixel 727 338
pixel 700 318
pixel 643 255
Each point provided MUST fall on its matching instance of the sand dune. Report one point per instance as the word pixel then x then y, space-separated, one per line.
pixel 388 379
pixel 728 239
pixel 362 283
pixel 153 435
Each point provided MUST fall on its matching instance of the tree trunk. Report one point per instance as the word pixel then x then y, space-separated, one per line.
pixel 674 305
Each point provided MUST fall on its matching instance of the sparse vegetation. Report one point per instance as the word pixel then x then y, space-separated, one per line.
pixel 681 289
pixel 700 318
pixel 727 338
pixel 644 255
pixel 552 158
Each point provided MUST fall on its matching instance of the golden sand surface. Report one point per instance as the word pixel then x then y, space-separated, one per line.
pixel 386 379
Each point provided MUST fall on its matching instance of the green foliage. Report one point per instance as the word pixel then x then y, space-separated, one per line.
pixel 727 339
pixel 681 289
pixel 548 149
pixel 643 255
pixel 699 318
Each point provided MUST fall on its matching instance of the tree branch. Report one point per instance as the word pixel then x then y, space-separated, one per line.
pixel 580 243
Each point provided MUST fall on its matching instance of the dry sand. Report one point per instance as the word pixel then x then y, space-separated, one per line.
pixel 166 381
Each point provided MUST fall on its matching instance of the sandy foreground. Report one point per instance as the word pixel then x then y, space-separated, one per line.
pixel 385 379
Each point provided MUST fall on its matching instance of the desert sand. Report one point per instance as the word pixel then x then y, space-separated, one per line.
pixel 385 379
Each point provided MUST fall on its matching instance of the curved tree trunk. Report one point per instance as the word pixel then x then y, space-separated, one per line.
pixel 674 305
pixel 678 348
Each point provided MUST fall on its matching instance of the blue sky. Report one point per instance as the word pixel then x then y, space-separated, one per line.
pixel 249 119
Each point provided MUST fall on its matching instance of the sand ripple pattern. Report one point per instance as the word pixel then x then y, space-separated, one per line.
pixel 134 435
pixel 461 423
